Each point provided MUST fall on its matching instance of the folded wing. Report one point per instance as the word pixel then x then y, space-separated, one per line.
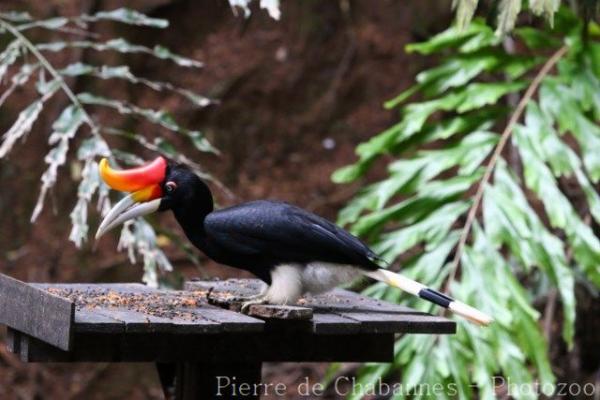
pixel 282 233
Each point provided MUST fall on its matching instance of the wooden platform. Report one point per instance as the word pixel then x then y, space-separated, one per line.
pixel 200 325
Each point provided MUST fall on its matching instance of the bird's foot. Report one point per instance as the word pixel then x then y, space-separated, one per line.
pixel 244 299
pixel 257 300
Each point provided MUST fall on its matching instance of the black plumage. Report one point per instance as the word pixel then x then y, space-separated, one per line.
pixel 260 235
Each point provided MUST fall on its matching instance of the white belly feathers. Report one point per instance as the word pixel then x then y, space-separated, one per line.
pixel 290 282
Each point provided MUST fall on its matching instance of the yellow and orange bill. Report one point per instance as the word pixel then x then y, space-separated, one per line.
pixel 144 185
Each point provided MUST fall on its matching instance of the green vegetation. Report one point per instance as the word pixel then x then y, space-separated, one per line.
pixel 485 215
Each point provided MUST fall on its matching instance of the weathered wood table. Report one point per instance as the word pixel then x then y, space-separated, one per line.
pixel 197 335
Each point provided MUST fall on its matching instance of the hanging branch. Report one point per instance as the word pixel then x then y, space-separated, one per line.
pixel 515 117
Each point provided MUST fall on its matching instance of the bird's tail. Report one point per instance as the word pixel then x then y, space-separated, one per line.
pixel 418 289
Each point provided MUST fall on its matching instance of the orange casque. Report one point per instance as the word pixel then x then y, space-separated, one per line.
pixel 145 179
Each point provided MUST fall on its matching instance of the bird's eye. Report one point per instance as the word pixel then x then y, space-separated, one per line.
pixel 170 186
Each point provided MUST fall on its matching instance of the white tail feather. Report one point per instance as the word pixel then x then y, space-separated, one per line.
pixel 396 280
pixel 415 288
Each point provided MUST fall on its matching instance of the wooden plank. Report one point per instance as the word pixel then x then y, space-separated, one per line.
pixel 405 323
pixel 229 320
pixel 137 322
pixel 269 311
pixel 327 324
pixel 119 287
pixel 88 320
pixel 292 346
pixel 137 308
pixel 376 316
pixel 86 346
pixel 238 287
pixel 36 312
pixel 340 299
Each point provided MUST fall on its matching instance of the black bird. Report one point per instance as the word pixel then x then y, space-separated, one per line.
pixel 292 250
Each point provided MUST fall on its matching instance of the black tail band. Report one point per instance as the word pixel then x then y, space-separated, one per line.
pixel 435 297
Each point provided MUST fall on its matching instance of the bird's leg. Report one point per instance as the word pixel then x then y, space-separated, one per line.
pixel 285 287
pixel 243 299
pixel 262 299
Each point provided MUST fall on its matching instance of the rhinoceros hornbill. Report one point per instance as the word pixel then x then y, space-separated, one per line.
pixel 292 250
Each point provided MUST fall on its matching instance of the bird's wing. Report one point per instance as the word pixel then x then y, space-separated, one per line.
pixel 283 233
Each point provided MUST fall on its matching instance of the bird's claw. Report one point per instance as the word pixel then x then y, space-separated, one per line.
pixel 246 305
pixel 244 299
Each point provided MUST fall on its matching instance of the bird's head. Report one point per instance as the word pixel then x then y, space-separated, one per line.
pixel 156 186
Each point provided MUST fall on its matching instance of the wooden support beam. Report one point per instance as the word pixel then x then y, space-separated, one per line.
pixel 218 380
pixel 167 348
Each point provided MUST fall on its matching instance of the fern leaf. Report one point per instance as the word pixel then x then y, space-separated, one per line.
pixel 465 9
pixel 439 146
pixel 89 149
pixel 127 16
pixel 64 128
pixel 143 241
pixel 507 15
pixel 9 56
pixel 158 117
pixel 16 16
pixel 18 79
pixel 547 8
pixel 51 23
pixel 138 239
pixel 122 46
pixel 123 72
pixel 22 126
pixel 90 182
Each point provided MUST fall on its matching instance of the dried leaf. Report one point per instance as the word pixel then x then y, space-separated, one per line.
pixel 22 126
pixel 64 128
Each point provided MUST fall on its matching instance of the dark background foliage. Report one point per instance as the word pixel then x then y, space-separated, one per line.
pixel 296 96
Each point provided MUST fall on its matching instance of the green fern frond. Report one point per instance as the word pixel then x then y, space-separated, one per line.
pixel 443 149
